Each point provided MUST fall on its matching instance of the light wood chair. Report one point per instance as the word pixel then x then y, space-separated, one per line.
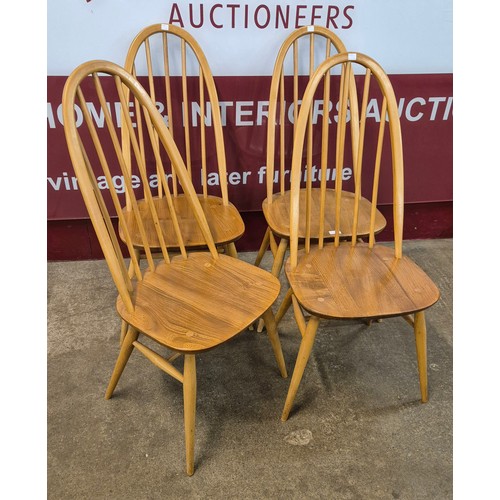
pixel 352 279
pixel 300 54
pixel 172 67
pixel 188 303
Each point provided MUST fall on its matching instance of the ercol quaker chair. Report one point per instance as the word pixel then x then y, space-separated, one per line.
pixel 353 279
pixel 189 303
pixel 173 69
pixel 300 54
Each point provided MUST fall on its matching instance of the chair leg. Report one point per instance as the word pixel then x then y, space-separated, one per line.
pixel 302 359
pixel 421 344
pixel 272 332
pixel 263 247
pixel 137 253
pixel 123 331
pixel 285 305
pixel 189 389
pixel 262 250
pixel 125 351
pixel 280 257
pixel 275 271
pixel 230 249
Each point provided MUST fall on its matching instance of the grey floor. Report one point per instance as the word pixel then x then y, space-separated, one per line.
pixel 357 431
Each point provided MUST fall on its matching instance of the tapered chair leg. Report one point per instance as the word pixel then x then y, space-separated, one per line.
pixel 302 359
pixel 285 305
pixel 124 326
pixel 275 271
pixel 230 249
pixel 262 250
pixel 263 247
pixel 279 257
pixel 137 253
pixel 123 331
pixel 272 332
pixel 421 344
pixel 189 389
pixel 125 351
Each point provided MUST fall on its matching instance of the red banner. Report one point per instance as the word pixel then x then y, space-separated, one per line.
pixel 425 107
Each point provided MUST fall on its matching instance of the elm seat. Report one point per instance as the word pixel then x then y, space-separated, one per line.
pixel 277 214
pixel 179 304
pixel 224 222
pixel 360 282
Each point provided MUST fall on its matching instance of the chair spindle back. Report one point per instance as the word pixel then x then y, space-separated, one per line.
pixel 300 54
pixel 175 72
pixel 371 145
pixel 107 170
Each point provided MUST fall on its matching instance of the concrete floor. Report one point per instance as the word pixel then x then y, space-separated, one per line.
pixel 357 431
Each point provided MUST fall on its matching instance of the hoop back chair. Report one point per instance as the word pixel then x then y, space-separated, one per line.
pixel 188 303
pixel 352 279
pixel 173 69
pixel 300 54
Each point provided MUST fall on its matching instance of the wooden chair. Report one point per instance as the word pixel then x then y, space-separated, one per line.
pixel 190 303
pixel 302 51
pixel 352 279
pixel 173 69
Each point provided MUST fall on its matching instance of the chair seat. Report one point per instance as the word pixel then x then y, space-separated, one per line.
pixel 358 282
pixel 225 222
pixel 277 214
pixel 194 304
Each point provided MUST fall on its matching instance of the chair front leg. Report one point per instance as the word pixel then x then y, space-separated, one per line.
pixel 263 247
pixel 230 250
pixel 300 365
pixel 285 305
pixel 272 332
pixel 279 257
pixel 123 331
pixel 189 390
pixel 421 344
pixel 276 269
pixel 125 351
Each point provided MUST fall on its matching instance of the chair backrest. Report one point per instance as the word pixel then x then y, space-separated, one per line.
pixel 105 176
pixel 374 150
pixel 173 69
pixel 300 54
